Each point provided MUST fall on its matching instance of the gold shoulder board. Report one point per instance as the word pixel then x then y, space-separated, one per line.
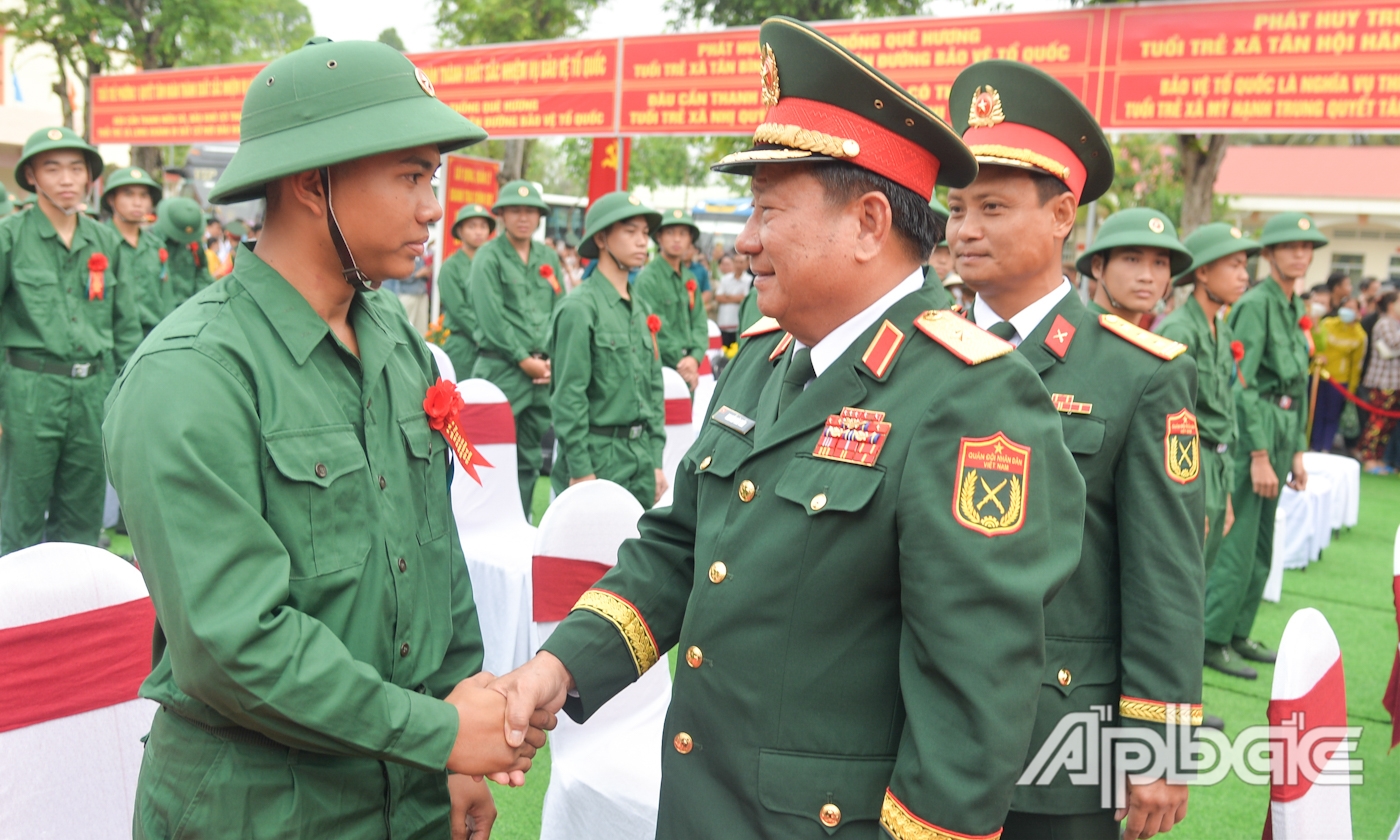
pixel 762 326
pixel 961 337
pixel 1157 345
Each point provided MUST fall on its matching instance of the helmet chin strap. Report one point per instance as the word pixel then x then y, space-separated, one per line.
pixel 353 275
pixel 1211 296
pixel 64 210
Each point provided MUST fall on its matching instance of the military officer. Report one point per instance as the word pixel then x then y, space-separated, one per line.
pixel 1123 632
pixel 131 195
pixel 864 533
pixel 672 292
pixel 178 224
pixel 472 227
pixel 281 454
pixel 68 321
pixel 515 284
pixel 607 397
pixel 1133 257
pixel 1271 409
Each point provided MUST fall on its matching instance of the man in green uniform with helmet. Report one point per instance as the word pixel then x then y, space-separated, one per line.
pixel 1123 633
pixel 69 319
pixel 1133 257
pixel 515 284
pixel 1271 409
pixel 865 532
pixel 131 196
pixel 472 227
pixel 282 456
pixel 179 222
pixel 607 396
pixel 671 290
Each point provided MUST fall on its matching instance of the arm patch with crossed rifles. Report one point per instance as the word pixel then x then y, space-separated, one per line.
pixel 1182 446
pixel 991 485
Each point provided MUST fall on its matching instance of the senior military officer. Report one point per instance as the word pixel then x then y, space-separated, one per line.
pixel 670 289
pixel 131 195
pixel 1271 408
pixel 472 227
pixel 1123 633
pixel 68 321
pixel 515 284
pixel 178 223
pixel 865 532
pixel 287 493
pixel 1133 257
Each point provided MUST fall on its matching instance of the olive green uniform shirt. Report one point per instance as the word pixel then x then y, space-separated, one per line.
pixel 146 273
pixel 289 506
pixel 186 270
pixel 1215 369
pixel 685 328
pixel 1275 364
pixel 513 303
pixel 457 316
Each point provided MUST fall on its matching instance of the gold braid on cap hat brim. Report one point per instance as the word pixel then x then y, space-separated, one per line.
pixel 797 137
pixel 1011 156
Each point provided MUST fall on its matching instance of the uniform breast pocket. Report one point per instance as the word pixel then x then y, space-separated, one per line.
pixel 1083 435
pixel 428 473
pixel 318 498
pixel 39 290
pixel 826 488
pixel 608 349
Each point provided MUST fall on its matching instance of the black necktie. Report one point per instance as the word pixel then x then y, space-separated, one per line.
pixel 800 371
pixel 1002 330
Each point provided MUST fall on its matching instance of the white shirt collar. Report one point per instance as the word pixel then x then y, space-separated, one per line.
pixel 1027 319
pixel 829 349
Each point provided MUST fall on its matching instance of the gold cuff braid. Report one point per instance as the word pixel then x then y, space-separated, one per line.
pixel 797 137
pixel 902 825
pixel 1154 712
pixel 1009 155
pixel 628 622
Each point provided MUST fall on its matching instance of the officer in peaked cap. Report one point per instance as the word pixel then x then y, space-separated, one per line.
pixel 282 455
pixel 131 195
pixel 671 290
pixel 1123 632
pixel 867 527
pixel 473 225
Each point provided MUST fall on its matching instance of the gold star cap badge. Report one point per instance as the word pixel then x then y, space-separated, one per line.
pixel 1155 225
pixel 768 75
pixel 424 82
pixel 55 134
pixel 1235 232
pixel 136 173
pixel 632 199
pixel 524 191
pixel 1304 224
pixel 985 110
pixel 676 214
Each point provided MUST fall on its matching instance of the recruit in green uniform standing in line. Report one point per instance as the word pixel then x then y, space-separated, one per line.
pixel 1133 257
pixel 178 224
pixel 472 227
pixel 515 285
pixel 1271 410
pixel 865 532
pixel 670 289
pixel 1123 633
pixel 68 321
pixel 282 455
pixel 131 196
pixel 608 400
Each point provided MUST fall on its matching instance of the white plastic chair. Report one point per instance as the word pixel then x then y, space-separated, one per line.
pixel 496 539
pixel 700 410
pixel 445 368
pixel 605 775
pixel 70 763
pixel 679 429
pixel 712 352
pixel 1345 475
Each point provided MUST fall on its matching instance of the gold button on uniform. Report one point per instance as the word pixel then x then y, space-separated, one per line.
pixel 830 815
pixel 693 656
pixel 717 571
pixel 682 742
pixel 819 501
pixel 1064 676
pixel 746 490
pixel 705 464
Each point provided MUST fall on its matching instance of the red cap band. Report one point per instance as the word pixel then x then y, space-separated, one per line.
pixel 1029 147
pixel 881 151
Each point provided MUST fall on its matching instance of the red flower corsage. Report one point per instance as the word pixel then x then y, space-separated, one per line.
pixel 443 405
pixel 97 267
pixel 547 272
pixel 654 326
pixel 1237 350
pixel 691 286
pixel 164 255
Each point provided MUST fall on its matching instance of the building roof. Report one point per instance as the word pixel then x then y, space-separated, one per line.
pixel 1354 172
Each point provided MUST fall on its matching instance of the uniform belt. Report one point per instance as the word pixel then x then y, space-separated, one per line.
pixel 1283 401
pixel 490 354
pixel 1220 448
pixel 73 370
pixel 625 432
pixel 234 734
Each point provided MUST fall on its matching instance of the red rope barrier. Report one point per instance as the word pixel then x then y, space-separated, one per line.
pixel 1362 404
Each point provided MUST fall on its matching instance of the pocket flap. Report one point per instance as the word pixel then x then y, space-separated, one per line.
pixel 1070 663
pixel 418 435
pixel 821 486
pixel 720 452
pixel 801 783
pixel 1083 435
pixel 318 456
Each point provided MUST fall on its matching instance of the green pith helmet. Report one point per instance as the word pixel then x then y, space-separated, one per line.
pixel 1209 243
pixel 473 211
pixel 236 228
pixel 1138 226
pixel 130 177
pixel 1291 227
pixel 609 210
pixel 52 140
pixel 519 194
pixel 179 220
pixel 331 102
pixel 676 218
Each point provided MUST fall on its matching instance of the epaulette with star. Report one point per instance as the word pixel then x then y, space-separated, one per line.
pixel 961 337
pixel 1158 345
pixel 762 326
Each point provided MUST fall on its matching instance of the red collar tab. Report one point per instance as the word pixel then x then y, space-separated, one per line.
pixel 1060 335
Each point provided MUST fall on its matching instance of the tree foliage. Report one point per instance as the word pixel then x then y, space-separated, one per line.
pixel 391 37
pixel 462 22
pixel 749 12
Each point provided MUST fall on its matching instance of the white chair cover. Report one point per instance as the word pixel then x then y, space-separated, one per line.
pixel 700 409
pixel 1345 475
pixel 712 353
pixel 445 368
pixel 679 431
pixel 71 776
pixel 1308 681
pixel 496 539
pixel 605 775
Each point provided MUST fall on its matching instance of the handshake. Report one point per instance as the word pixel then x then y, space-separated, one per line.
pixel 502 720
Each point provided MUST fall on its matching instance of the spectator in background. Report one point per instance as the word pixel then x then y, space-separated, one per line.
pixel 1366 293
pixel 573 264
pixel 1341 348
pixel 1338 291
pixel 254 231
pixel 1383 385
pixel 701 270
pixel 730 292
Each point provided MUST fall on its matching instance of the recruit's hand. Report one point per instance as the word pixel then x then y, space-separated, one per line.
pixel 1299 481
pixel 473 810
pixel 1153 808
pixel 540 684
pixel 1229 516
pixel 1262 474
pixel 689 369
pixel 661 485
pixel 536 369
pixel 581 479
pixel 479 749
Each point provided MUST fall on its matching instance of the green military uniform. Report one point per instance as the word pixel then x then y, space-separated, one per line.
pixel 606 391
pixel 288 500
pixel 861 639
pixel 1124 632
pixel 674 296
pixel 1210 345
pixel 513 302
pixel 145 262
pixel 179 225
pixel 749 313
pixel 7 205
pixel 68 322
pixel 457 316
pixel 1271 409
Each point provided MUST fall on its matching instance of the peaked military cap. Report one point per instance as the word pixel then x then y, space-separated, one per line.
pixel 473 211
pixel 1138 226
pixel 1291 227
pixel 824 103
pixel 52 140
pixel 674 218
pixel 1209 243
pixel 608 210
pixel 132 176
pixel 1011 114
pixel 520 193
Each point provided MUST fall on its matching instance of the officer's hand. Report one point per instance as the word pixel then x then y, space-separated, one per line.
pixel 1153 808
pixel 473 809
pixel 536 369
pixel 1229 516
pixel 1262 474
pixel 540 684
pixel 582 479
pixel 689 369
pixel 1299 481
pixel 479 749
pixel 661 485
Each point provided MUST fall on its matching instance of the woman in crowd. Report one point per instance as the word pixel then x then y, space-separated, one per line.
pixel 1383 381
